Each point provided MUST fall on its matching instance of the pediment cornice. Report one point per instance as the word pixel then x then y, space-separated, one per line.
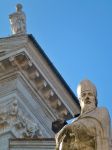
pixel 23 64
pixel 26 59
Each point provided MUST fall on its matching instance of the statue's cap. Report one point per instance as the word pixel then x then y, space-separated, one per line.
pixel 86 85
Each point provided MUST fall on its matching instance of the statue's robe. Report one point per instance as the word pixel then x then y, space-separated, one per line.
pixel 90 131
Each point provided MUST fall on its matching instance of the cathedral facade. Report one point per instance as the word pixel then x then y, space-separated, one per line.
pixel 33 95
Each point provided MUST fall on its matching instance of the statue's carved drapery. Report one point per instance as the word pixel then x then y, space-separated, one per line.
pixel 18 21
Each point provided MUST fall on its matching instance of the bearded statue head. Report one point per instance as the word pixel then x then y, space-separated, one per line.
pixel 86 86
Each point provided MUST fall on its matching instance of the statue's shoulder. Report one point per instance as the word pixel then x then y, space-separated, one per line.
pixel 103 114
pixel 102 110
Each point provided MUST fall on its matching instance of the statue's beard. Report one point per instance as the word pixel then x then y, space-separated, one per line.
pixel 88 108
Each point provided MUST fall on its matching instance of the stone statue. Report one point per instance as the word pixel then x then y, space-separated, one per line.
pixel 18 21
pixel 91 130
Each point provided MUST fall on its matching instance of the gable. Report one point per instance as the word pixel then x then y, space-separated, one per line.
pixel 26 57
pixel 31 86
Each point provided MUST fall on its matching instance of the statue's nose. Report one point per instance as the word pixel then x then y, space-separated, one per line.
pixel 87 97
pixel 87 100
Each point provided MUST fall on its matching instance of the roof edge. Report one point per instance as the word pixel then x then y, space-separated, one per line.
pixel 51 65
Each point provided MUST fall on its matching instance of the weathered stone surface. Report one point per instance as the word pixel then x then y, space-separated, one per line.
pixel 91 130
pixel 13 119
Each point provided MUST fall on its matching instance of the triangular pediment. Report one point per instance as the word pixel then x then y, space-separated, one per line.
pixel 28 76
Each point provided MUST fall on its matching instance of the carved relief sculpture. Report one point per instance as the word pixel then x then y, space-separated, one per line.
pixel 18 21
pixel 12 118
pixel 91 130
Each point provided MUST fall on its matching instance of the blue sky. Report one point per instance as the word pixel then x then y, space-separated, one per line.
pixel 75 34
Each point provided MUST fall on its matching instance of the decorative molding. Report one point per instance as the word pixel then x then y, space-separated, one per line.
pixel 29 70
pixel 26 44
pixel 40 144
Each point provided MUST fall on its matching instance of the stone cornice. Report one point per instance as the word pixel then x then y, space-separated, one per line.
pixel 25 66
pixel 39 143
pixel 27 59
